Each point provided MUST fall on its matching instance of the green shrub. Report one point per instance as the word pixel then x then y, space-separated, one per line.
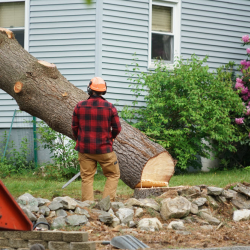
pixel 184 108
pixel 64 157
pixel 15 160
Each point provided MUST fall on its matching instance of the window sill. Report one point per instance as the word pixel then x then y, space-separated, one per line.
pixel 153 66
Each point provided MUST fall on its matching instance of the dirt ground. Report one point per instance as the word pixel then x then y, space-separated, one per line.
pixel 230 233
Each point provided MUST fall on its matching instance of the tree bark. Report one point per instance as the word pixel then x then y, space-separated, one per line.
pixel 164 192
pixel 40 90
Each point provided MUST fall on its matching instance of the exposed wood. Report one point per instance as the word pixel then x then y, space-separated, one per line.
pixel 147 183
pixel 50 97
pixel 9 33
pixel 18 87
pixel 157 171
pixel 142 193
pixel 47 64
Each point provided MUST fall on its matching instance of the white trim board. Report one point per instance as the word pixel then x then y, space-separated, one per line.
pixel 176 5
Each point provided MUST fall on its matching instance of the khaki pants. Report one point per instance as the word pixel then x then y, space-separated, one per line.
pixel 88 166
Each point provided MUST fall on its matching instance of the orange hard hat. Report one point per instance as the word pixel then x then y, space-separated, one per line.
pixel 98 84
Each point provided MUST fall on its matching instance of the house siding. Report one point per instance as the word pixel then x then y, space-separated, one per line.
pixel 214 28
pixel 60 32
pixel 124 32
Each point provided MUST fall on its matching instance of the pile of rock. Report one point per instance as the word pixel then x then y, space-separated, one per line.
pixel 197 203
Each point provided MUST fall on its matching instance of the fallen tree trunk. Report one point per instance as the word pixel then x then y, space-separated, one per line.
pixel 40 90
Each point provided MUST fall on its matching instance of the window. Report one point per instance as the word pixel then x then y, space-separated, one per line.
pixel 12 17
pixel 164 31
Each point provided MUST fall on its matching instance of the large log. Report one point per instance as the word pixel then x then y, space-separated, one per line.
pixel 40 90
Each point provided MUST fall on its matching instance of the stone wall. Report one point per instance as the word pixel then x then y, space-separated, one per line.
pixel 52 240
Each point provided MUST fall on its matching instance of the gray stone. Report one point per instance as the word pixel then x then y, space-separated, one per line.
pixel 44 210
pixel 83 203
pixel 206 227
pixel 212 202
pixel 58 222
pixel 133 202
pixel 243 214
pixel 42 201
pixel 104 204
pixel 210 219
pixel 241 201
pixel 67 202
pixel 79 210
pixel 52 214
pixel 242 189
pixel 228 194
pixel 111 211
pixel 76 220
pixel 139 212
pixel 125 215
pixel 30 215
pixel 214 191
pixel 221 199
pixel 189 191
pixel 205 210
pixel 27 199
pixel 61 213
pixel 131 224
pixel 176 225
pixel 41 219
pixel 115 221
pixel 175 208
pixel 149 203
pixel 200 201
pixel 55 205
pixel 194 208
pixel 33 208
pixel 117 205
pixel 183 232
pixel 106 217
pixel 149 224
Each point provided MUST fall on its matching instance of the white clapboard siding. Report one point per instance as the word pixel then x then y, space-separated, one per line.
pixel 124 32
pixel 102 38
pixel 214 28
pixel 60 32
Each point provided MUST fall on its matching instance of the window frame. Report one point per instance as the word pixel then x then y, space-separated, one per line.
pixel 176 29
pixel 26 20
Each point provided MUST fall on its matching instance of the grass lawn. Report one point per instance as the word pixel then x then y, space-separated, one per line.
pixel 41 187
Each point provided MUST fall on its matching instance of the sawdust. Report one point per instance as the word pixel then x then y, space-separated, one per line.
pixel 229 234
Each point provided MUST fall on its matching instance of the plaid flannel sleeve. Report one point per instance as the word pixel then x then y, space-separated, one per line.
pixel 115 123
pixel 75 123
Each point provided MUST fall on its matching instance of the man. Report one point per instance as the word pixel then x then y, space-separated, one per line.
pixel 95 125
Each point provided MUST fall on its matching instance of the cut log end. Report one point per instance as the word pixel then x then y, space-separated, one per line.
pixel 9 33
pixel 157 172
pixel 47 64
pixel 18 87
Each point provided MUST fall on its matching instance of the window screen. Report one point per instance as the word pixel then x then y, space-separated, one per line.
pixel 161 18
pixel 12 14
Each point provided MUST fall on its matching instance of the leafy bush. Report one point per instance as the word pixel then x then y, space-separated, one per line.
pixel 242 86
pixel 185 108
pixel 14 161
pixel 64 157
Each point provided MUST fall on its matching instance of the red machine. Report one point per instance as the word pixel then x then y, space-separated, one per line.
pixel 12 216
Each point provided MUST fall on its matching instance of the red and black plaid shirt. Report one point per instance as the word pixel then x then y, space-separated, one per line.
pixel 91 125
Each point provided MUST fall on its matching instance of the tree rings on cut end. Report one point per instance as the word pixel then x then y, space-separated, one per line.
pixel 151 183
pixel 9 33
pixel 18 87
pixel 47 64
pixel 158 171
